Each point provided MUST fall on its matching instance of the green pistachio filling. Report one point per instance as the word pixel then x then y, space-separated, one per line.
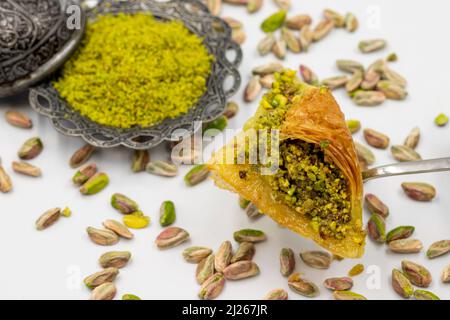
pixel 313 187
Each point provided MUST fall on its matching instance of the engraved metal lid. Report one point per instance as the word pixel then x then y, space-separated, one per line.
pixel 35 39
pixel 223 82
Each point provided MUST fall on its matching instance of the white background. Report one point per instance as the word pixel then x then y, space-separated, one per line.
pixel 51 264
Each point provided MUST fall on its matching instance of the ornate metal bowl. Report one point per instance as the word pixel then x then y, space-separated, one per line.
pixel 217 38
pixel 34 41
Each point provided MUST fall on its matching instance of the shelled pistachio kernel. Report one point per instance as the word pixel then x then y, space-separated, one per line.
pixel 205 269
pixel 18 119
pixel 129 296
pixel 212 287
pixel 105 291
pixel 375 205
pixel 419 191
pixel 26 169
pixel 31 149
pixel 441 120
pixel 438 249
pixel 48 218
pixel 5 180
pixel 398 233
pixel 84 174
pixel 95 184
pixel 162 168
pixel 425 295
pixel 417 274
pixel 287 261
pixel 102 237
pixel 249 235
pixel 140 160
pixel 347 295
pixel 136 220
pixel 115 259
pixel 246 251
pixel 376 228
pixel 338 284
pixel 316 259
pixel 123 204
pixel 171 237
pixel 196 254
pixel 231 109
pixel 376 139
pixel 66 212
pixel 197 174
pixel 100 277
pixel 401 284
pixel 167 214
pixel 302 286
pixel 276 294
pixel 353 125
pixel 356 270
pixel 81 155
pixel 118 228
pixel 223 256
pixel 241 270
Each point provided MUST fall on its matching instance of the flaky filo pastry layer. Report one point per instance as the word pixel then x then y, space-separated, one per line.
pixel 313 116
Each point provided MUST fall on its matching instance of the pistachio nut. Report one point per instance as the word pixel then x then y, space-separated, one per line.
pixel 398 233
pixel 364 154
pixel 353 125
pixel 287 261
pixel 136 220
pixel 167 214
pixel 350 66
pixel 223 256
pixel 140 160
pixel 336 17
pixel 48 218
pixel 401 284
pixel 375 205
pixel 66 212
pixel 105 291
pixel 355 81
pixel 338 284
pixel 243 203
pixel 245 252
pixel 254 5
pixel 115 259
pixel 404 153
pixel 233 23
pixel 26 169
pixel 171 237
pixel 241 270
pixel 212 287
pixel 84 174
pixel 5 180
pixel 196 254
pixel 419 191
pixel 438 249
pixel 308 75
pixel 253 212
pixel 18 119
pixel 317 259
pixel 99 278
pixel 368 98
pixel 351 22
pixel 214 6
pixel 302 286
pixel 322 29
pixel 129 296
pixel 391 75
pixel 425 295
pixel 373 45
pixel 371 79
pixel 392 57
pixel 253 89
pixel 31 149
pixel 283 4
pixel 306 37
pixel 266 44
pixel 441 120
pixel 293 43
pixel 347 295
pixel 279 49
pixel 412 140
pixel 95 184
pixel 197 174
pixel 268 68
pixel 376 228
pixel 238 35
pixel 376 139
pixel 276 294
pixel 406 246
pixel 298 22
pixel 417 274
pixel 335 82
pixel 123 204
pixel 356 270
pixel 81 155
pixel 249 235
pixel 445 277
pixel 102 237
pixel 231 109
pixel 392 90
pixel 118 228
pixel 274 22
pixel 205 269
pixel 162 168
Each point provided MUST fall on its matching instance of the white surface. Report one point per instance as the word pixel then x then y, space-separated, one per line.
pixel 51 264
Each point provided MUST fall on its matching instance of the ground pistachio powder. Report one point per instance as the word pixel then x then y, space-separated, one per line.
pixel 134 70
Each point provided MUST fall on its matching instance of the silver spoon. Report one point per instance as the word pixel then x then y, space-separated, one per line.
pixel 402 168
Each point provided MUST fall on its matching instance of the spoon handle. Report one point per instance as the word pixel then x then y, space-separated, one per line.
pixel 402 168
